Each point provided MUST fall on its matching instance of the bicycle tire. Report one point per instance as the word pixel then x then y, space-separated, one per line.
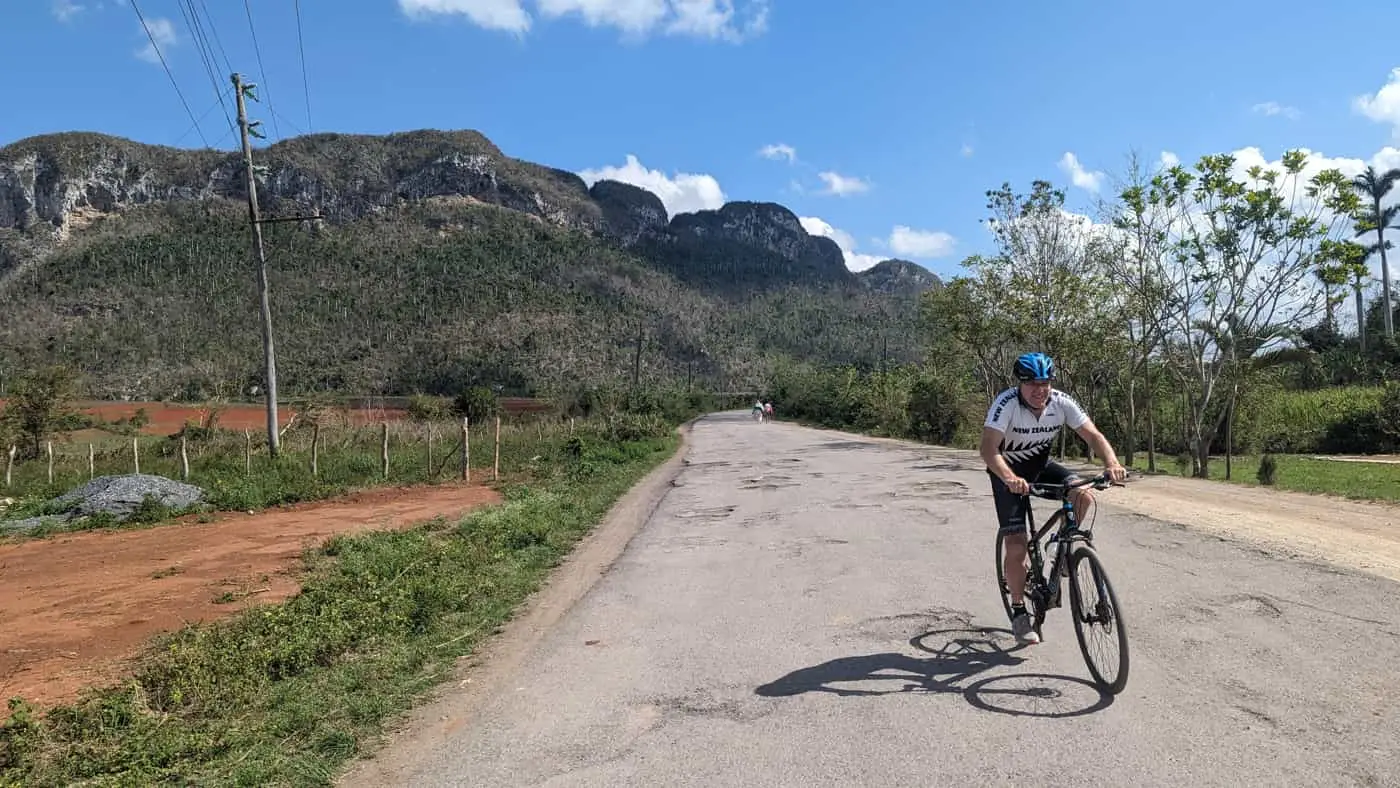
pixel 1084 553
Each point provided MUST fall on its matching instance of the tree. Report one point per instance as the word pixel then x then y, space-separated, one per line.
pixel 1373 188
pixel 1240 282
pixel 1144 217
pixel 39 405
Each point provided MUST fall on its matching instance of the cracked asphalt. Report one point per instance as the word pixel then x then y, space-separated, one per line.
pixel 807 607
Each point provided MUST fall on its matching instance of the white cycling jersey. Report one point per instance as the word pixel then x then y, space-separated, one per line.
pixel 1027 440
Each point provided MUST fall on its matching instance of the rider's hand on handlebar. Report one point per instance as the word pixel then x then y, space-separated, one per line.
pixel 1117 473
pixel 1017 485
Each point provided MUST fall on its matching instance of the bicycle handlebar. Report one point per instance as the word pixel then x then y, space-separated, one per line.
pixel 1100 482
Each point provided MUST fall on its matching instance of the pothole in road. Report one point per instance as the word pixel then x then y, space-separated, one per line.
pixel 715 513
pixel 707 703
pixel 773 482
pixel 1253 605
pixel 943 466
pixel 902 627
pixel 849 446
pixel 942 488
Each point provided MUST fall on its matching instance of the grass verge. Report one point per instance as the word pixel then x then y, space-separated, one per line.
pixel 1362 481
pixel 285 694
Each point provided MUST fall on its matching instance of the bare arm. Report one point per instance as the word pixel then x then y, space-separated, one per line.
pixel 1101 447
pixel 990 449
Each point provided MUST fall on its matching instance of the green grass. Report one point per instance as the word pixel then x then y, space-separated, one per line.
pixel 1364 481
pixel 286 694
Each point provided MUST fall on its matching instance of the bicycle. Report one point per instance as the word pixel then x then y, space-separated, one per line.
pixel 1072 547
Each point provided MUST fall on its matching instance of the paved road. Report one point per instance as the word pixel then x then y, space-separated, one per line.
pixel 811 608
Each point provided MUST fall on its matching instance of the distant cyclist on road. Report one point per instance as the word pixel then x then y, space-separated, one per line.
pixel 1021 428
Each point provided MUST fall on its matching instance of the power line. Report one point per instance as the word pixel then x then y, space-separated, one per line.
pixel 218 103
pixel 228 67
pixel 267 94
pixel 305 85
pixel 166 66
pixel 206 52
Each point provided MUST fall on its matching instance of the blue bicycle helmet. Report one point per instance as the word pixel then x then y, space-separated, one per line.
pixel 1035 366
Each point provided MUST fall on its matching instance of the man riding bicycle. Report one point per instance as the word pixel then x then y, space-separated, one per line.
pixel 1021 427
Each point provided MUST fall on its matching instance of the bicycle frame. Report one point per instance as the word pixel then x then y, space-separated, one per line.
pixel 1047 589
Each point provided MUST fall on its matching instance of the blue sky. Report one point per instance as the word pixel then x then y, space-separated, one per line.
pixel 899 114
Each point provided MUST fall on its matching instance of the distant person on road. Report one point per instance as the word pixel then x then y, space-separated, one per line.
pixel 768 411
pixel 1021 427
pixel 757 411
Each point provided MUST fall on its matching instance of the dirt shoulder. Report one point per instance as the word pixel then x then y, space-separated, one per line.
pixel 78 606
pixel 1356 534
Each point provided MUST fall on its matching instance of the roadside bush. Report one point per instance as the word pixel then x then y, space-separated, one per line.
pixel 1268 470
pixel 477 403
pixel 936 411
pixel 425 407
pixel 1350 420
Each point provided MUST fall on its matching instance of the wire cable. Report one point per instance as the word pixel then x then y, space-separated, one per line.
pixel 166 66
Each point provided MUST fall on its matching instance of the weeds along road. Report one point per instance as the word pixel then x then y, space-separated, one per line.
pixel 813 608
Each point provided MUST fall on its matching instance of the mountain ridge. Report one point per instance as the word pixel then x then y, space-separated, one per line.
pixel 440 262
pixel 51 179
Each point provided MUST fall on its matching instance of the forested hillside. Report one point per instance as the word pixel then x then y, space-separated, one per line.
pixel 440 264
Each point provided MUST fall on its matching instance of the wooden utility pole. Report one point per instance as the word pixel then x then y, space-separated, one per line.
pixel 269 356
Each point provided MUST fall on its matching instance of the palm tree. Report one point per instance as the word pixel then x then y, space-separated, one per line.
pixel 1374 187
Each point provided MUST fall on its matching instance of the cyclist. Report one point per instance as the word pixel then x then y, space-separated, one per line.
pixel 757 411
pixel 1021 427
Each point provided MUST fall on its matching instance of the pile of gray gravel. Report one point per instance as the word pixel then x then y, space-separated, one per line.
pixel 118 496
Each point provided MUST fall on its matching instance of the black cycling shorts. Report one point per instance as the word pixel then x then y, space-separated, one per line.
pixel 1012 508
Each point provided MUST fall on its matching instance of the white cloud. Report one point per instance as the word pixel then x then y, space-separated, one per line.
pixel 1384 106
pixel 1089 181
pixel 713 19
pixel 855 261
pixel 921 243
pixel 717 19
pixel 634 17
pixel 682 193
pixel 65 10
pixel 1168 160
pixel 903 241
pixel 163 31
pixel 1272 108
pixel 779 151
pixel 966 150
pixel 842 185
pixel 507 15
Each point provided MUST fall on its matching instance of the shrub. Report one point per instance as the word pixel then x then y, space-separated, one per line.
pixel 1268 470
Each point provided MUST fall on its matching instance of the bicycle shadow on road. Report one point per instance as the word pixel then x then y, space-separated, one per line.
pixel 960 654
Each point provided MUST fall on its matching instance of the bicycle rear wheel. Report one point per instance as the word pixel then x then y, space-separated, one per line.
pixel 1098 620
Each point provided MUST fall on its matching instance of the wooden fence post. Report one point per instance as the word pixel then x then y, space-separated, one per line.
pixel 466 450
pixel 10 465
pixel 92 461
pixel 184 460
pixel 136 454
pixel 430 450
pixel 496 465
pixel 315 449
pixel 50 448
pixel 384 447
pixel 247 451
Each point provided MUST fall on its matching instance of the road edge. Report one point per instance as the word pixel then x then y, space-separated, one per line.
pixel 480 676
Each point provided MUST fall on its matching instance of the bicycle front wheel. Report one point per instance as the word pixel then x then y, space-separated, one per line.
pixel 1098 620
